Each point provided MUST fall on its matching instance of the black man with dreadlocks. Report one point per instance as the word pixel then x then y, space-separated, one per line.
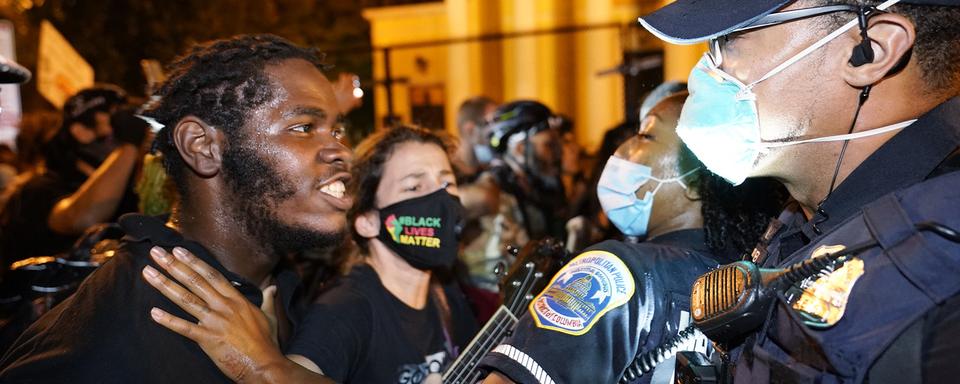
pixel 252 142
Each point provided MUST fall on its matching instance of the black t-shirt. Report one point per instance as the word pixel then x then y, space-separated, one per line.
pixel 104 333
pixel 604 306
pixel 358 332
pixel 23 221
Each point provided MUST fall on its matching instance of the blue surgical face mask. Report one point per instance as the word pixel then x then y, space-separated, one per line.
pixel 483 153
pixel 719 121
pixel 617 191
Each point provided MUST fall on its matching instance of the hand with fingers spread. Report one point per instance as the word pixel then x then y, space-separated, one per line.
pixel 239 337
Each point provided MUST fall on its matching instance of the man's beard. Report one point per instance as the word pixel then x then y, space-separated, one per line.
pixel 256 190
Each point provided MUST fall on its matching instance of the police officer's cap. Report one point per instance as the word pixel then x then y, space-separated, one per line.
pixel 694 21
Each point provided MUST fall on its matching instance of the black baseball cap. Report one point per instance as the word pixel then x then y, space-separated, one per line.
pixel 694 21
pixel 12 73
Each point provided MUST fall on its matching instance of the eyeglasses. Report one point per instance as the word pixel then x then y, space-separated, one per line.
pixel 714 49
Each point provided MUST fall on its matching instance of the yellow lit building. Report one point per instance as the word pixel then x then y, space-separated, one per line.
pixel 441 53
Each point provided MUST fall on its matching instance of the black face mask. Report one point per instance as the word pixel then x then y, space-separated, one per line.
pixel 424 231
pixel 95 152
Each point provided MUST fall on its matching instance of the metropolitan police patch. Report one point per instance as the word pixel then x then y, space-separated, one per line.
pixel 589 286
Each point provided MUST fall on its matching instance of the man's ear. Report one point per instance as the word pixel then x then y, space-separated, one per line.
pixel 367 224
pixel 892 36
pixel 199 145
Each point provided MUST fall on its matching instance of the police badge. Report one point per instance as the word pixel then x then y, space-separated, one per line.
pixel 824 297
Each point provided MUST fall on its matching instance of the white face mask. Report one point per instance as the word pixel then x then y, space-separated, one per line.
pixel 720 123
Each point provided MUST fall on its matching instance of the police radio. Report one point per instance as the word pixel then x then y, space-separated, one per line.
pixel 734 299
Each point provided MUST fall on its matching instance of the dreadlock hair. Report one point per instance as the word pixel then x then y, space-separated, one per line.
pixel 220 82
pixel 734 217
pixel 937 46
pixel 368 161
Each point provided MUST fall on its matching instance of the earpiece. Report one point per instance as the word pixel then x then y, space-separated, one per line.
pixel 863 52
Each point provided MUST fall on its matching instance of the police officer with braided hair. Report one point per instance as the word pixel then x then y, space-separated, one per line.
pixel 619 298
pixel 854 105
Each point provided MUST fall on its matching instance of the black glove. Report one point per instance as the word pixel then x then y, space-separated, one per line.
pixel 128 128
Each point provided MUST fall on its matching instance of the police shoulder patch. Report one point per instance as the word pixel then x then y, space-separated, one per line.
pixel 589 286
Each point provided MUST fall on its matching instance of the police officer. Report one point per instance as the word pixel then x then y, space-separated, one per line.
pixel 618 298
pixel 853 105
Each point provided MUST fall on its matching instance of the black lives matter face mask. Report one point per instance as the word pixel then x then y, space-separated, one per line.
pixel 425 230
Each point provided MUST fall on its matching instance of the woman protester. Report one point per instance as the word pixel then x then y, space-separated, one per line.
pixel 392 318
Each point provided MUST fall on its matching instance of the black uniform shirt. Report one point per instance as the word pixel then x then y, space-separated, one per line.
pixel 925 149
pixel 604 306
pixel 104 333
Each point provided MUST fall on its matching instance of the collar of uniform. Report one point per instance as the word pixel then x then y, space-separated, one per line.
pixel 686 238
pixel 906 159
pixel 154 230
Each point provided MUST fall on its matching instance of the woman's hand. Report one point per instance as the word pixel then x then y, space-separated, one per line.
pixel 239 337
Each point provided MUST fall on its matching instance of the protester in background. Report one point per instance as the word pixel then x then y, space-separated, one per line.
pixel 473 153
pixel 260 174
pixel 90 163
pixel 394 318
pixel 652 189
pixel 522 193
pixel 35 130
pixel 573 173
pixel 480 198
pixel 530 165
